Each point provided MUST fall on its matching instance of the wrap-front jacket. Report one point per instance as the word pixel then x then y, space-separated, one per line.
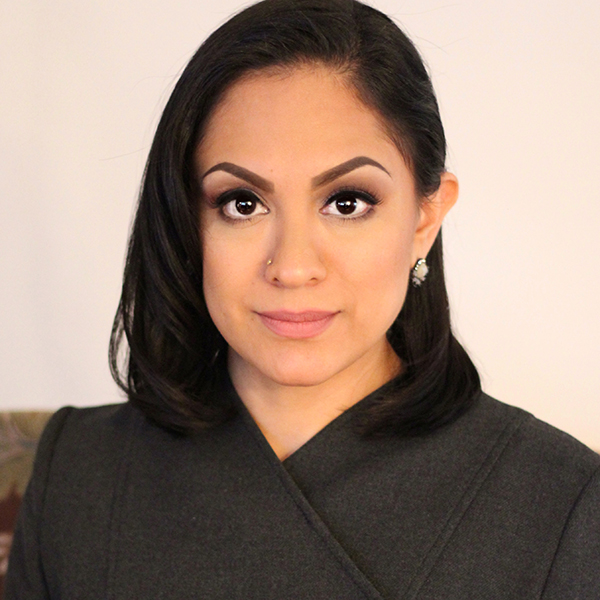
pixel 497 505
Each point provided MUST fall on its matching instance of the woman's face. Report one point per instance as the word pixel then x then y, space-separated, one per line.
pixel 309 229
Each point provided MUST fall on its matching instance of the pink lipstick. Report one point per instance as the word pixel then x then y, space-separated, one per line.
pixel 297 325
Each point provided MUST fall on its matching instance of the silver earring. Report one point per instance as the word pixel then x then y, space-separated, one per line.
pixel 419 272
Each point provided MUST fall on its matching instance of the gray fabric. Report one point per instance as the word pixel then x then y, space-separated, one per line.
pixel 495 506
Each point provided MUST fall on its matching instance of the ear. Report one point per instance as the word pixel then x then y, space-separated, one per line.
pixel 432 210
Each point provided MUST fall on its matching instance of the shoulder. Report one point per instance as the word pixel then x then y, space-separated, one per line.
pixel 94 419
pixel 529 515
pixel 531 444
pixel 94 427
pixel 543 484
pixel 516 450
pixel 528 473
pixel 526 461
pixel 554 480
pixel 85 446
pixel 66 510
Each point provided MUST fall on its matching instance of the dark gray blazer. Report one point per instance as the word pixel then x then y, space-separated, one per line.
pixel 497 505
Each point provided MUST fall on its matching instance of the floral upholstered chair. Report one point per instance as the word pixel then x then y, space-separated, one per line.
pixel 19 434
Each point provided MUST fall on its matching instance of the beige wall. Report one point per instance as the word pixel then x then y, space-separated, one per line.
pixel 81 88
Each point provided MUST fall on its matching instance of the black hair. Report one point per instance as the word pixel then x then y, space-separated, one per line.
pixel 175 361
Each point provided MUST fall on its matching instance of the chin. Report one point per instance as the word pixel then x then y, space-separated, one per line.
pixel 300 382
pixel 305 369
pixel 298 377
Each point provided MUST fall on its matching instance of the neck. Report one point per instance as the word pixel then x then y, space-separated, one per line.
pixel 289 415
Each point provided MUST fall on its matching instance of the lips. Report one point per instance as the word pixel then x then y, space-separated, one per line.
pixel 297 325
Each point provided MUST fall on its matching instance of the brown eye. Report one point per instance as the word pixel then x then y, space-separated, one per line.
pixel 242 205
pixel 346 204
pixel 349 204
pixel 246 206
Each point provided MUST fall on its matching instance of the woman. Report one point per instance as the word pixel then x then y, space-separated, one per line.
pixel 301 421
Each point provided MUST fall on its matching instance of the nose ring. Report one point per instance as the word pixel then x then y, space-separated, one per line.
pixel 269 262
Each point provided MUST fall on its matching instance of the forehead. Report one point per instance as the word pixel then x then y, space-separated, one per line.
pixel 308 112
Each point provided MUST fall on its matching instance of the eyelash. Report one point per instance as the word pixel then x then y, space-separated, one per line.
pixel 359 193
pixel 362 194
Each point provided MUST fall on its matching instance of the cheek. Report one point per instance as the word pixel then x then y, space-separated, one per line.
pixel 229 272
pixel 217 281
pixel 381 275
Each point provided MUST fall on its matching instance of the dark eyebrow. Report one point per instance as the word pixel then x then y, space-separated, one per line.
pixel 242 173
pixel 322 179
pixel 346 167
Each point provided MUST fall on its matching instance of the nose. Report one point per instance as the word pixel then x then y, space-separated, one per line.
pixel 296 258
